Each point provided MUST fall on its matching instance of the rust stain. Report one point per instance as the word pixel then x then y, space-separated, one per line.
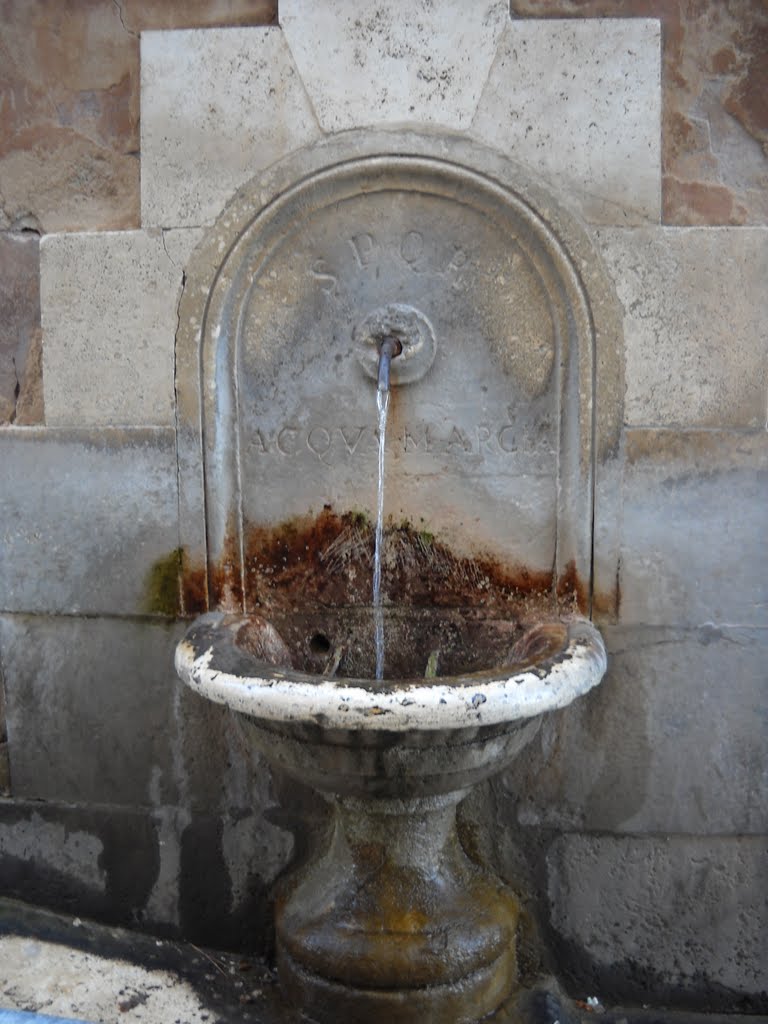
pixel 309 581
pixel 326 561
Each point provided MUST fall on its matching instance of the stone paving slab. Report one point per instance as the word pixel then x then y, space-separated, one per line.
pixel 122 975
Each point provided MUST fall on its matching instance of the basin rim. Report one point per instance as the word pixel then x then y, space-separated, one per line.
pixel 493 697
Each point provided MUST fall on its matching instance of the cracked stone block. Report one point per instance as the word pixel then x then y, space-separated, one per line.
pixel 88 521
pixel 90 709
pixel 216 106
pixel 388 63
pixel 695 320
pixel 580 103
pixel 664 915
pixel 21 399
pixel 693 532
pixel 672 741
pixel 109 312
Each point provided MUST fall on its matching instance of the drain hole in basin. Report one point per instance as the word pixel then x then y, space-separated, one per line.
pixel 319 644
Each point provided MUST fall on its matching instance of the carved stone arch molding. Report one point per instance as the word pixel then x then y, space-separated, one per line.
pixel 494 448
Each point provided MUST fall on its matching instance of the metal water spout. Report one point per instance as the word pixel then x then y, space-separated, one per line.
pixel 389 349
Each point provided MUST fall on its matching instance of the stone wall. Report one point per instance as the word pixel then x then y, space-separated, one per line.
pixel 638 823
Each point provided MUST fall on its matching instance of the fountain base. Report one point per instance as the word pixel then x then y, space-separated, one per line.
pixel 393 922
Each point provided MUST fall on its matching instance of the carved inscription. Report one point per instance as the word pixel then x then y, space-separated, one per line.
pixel 331 443
pixel 410 249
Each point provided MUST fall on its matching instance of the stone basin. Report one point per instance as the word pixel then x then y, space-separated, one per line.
pixel 391 921
pixel 402 735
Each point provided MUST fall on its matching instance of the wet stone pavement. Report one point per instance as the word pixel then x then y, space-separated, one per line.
pixel 60 966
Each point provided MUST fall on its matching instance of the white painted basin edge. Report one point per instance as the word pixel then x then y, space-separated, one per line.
pixel 484 698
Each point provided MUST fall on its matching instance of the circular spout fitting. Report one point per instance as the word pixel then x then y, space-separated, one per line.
pixel 389 349
pixel 414 340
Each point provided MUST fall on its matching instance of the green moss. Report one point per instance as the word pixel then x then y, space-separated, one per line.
pixel 162 586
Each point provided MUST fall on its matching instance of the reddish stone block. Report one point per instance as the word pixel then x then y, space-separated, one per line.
pixel 69 104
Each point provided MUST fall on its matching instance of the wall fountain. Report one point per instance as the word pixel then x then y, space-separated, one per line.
pixel 491 311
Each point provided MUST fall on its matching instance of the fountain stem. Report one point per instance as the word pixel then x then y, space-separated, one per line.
pixel 393 923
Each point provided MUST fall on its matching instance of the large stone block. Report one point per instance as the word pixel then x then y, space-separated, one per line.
pixel 695 323
pixel 109 312
pixel 102 732
pixel 668 920
pixel 392 63
pixel 672 741
pixel 216 106
pixel 713 80
pixel 580 103
pixel 88 521
pixel 693 528
pixel 90 709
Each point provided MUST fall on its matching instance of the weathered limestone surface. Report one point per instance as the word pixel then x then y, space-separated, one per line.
pixel 580 102
pixel 103 687
pixel 693 535
pixel 680 909
pixel 673 741
pixel 109 316
pixel 715 118
pixel 670 742
pixel 216 106
pixel 695 315
pixel 84 519
pixel 375 63
pixel 21 398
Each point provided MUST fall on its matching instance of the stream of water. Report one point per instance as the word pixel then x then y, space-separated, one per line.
pixel 382 404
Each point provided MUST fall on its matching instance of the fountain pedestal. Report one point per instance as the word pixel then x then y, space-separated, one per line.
pixel 393 922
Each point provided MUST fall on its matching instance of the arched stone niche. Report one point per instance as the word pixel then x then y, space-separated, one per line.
pixel 493 450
